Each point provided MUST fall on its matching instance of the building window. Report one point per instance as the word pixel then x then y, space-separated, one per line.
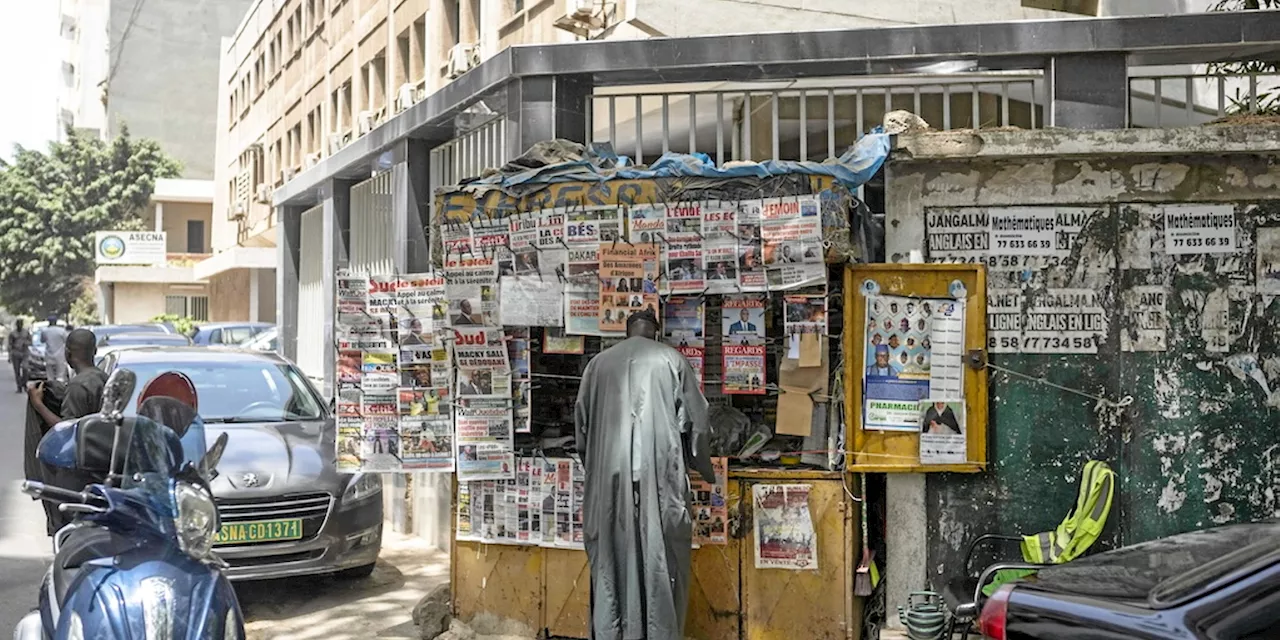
pixel 418 64
pixel 195 236
pixel 517 6
pixel 194 307
pixel 404 58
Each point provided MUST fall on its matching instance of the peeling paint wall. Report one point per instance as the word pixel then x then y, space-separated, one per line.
pixel 1192 338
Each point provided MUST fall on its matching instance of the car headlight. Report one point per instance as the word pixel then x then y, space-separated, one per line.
pixel 364 485
pixel 196 520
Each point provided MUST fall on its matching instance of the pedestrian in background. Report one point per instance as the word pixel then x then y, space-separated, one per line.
pixel 19 343
pixel 55 350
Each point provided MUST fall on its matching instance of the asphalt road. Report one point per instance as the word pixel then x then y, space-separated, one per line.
pixel 25 551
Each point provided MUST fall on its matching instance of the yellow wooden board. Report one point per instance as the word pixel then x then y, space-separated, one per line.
pixel 502 580
pixel 715 599
pixel 568 593
pixel 897 451
pixel 780 604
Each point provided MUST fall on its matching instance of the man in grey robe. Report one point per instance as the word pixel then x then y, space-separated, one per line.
pixel 641 422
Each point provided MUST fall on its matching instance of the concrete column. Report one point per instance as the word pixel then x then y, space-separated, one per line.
pixel 253 295
pixel 106 302
pixel 336 236
pixel 906 543
pixel 289 237
pixel 1088 91
pixel 544 108
pixel 159 217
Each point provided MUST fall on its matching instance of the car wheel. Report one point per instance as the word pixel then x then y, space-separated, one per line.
pixel 357 573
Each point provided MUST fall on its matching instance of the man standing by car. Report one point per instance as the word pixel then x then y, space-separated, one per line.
pixel 55 342
pixel 19 343
pixel 81 397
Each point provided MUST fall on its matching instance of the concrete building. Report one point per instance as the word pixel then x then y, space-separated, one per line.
pixel 150 65
pixel 182 210
pixel 302 79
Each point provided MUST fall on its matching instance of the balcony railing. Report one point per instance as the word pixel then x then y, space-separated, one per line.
pixel 1185 100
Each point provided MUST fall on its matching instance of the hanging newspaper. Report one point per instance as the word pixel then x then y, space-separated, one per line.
pixel 720 247
pixel 710 510
pixel 585 231
pixel 425 364
pixel 468 528
pixel 743 345
pixel 456 239
pixel 483 370
pixel 532 301
pixel 426 433
pixel 564 503
pixel 751 270
pixel 352 293
pixel 521 380
pixel 646 222
pixel 579 499
pixel 791 230
pixel 551 248
pixel 472 291
pixel 804 315
pixel 383 302
pixel 350 430
pixel 684 248
pixel 421 306
pixel 381 450
pixel 900 358
pixel 484 438
pixel 784 533
pixel 628 283
pixel 582 313
pixel 380 373
pixel 548 493
pixel 683 327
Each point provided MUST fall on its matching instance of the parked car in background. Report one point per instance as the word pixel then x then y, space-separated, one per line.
pixel 34 365
pixel 1221 583
pixel 268 340
pixel 111 344
pixel 227 333
pixel 104 331
pixel 285 508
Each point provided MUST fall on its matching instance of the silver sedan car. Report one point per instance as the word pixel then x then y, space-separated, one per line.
pixel 285 508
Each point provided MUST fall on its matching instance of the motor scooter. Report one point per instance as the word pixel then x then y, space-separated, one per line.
pixel 137 560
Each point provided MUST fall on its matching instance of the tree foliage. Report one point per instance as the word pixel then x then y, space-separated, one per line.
pixel 51 203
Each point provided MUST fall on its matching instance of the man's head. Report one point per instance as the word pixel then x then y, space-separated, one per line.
pixel 415 325
pixel 939 406
pixel 644 324
pixel 423 376
pixel 744 315
pixel 17 326
pixel 81 347
pixel 53 319
pixel 465 307
pixel 786 251
pixel 882 356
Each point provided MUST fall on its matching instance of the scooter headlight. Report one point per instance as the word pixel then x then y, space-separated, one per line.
pixel 196 521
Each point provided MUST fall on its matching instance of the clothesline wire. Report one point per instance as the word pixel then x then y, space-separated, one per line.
pixel 1106 402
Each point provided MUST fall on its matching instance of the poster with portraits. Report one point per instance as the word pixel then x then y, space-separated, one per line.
pixel 628 283
pixel 743 345
pixel 900 357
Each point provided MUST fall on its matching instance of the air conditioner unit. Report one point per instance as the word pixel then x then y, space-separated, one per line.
pixel 311 160
pixel 462 58
pixel 580 9
pixel 336 143
pixel 289 174
pixel 263 194
pixel 365 122
pixel 582 17
pixel 406 98
pixel 237 211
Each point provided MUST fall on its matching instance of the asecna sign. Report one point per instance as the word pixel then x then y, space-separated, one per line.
pixel 129 247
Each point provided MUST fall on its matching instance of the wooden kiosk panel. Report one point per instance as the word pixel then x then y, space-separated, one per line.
pixel 715 589
pixel 899 451
pixel 780 604
pixel 568 593
pixel 498 579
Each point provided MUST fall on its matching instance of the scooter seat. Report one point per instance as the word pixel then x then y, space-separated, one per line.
pixel 83 545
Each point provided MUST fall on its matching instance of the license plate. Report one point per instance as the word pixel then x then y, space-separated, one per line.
pixel 264 531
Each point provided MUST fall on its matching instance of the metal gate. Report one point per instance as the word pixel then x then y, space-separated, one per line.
pixel 373 226
pixel 311 309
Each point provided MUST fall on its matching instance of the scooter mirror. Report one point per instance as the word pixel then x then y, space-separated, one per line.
pixel 117 391
pixel 211 457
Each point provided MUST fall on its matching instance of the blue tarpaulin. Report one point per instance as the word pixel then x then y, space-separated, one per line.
pixel 852 169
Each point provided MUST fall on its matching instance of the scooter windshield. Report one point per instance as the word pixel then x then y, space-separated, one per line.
pixel 153 455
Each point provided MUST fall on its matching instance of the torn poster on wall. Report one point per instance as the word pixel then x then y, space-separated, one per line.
pixel 1031 307
pixel 1147 319
pixel 784 533
pixel 1268 248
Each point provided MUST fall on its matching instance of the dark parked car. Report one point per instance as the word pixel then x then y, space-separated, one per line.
pixel 286 510
pixel 105 331
pixel 1221 583
pixel 227 333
